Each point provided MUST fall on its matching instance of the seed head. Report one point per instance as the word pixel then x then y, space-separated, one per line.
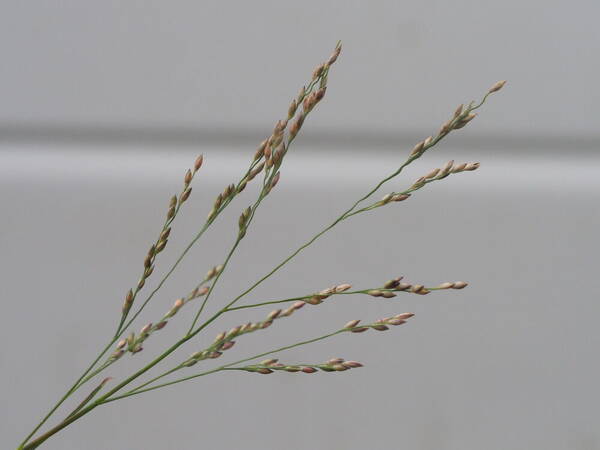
pixel 404 316
pixel 260 150
pixel 227 345
pixel 178 303
pixel 128 301
pixel 161 245
pixel 275 180
pixel 318 71
pixel 448 167
pixel 292 109
pixel 315 300
pixel 274 314
pixel 352 323
pixel 185 195
pixel 202 291
pixel 265 324
pixel 459 285
pixel 352 364
pixel 465 121
pixel 165 234
pixel 416 288
pixel 234 331
pixel 188 177
pixel 400 197
pixel 258 169
pixel 335 361
pixel 334 56
pixel 432 174
pixel 359 330
pixel 458 111
pixel 269 362
pixel 417 149
pixel 394 321
pixel 198 163
pixel 342 287
pixel 116 355
pixel 459 168
pixel 375 293
pixel 320 94
pixel 496 87
pixel 295 128
pixel 446 127
pixel 386 198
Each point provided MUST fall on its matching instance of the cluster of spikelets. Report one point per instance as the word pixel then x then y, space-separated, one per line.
pixel 225 340
pixel 270 365
pixel 266 163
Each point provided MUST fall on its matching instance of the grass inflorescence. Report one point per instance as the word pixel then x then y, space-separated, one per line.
pixel 265 166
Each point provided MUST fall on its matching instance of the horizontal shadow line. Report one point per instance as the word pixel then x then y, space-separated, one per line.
pixel 182 136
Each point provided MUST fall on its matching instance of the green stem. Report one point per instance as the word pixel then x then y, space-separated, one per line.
pixel 348 212
pixel 266 182
pixel 295 299
pixel 318 235
pixel 186 250
pixel 84 377
pixel 191 334
pixel 224 367
pixel 69 420
pixel 225 263
pixel 67 395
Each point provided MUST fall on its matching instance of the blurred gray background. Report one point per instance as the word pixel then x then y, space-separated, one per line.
pixel 103 105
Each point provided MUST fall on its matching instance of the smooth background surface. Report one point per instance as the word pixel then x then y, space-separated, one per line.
pixel 105 106
pixel 228 66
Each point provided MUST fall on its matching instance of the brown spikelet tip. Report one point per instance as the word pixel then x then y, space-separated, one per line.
pixel 352 323
pixel 198 163
pixel 496 87
pixel 404 316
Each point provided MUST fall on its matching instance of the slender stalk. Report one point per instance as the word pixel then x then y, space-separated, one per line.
pixel 69 420
pixel 285 261
pixel 225 263
pixel 65 397
pixel 304 297
pixel 347 213
pixel 273 271
pixel 84 377
pixel 224 367
pixel 314 238
pixel 205 227
pixel 309 98
pixel 192 334
pixel 262 195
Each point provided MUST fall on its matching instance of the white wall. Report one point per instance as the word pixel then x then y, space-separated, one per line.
pixel 232 65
